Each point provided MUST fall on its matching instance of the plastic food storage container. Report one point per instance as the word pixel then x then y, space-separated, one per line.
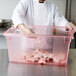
pixel 54 40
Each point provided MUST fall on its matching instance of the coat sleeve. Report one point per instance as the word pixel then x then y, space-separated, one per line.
pixel 59 20
pixel 20 12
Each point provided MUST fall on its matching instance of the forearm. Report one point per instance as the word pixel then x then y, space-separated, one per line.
pixel 18 16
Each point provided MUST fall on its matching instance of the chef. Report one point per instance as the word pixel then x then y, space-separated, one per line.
pixel 38 12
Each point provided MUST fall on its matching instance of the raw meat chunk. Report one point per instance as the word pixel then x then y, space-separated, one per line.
pixel 40 56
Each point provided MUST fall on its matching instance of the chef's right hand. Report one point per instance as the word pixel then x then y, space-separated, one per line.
pixel 25 29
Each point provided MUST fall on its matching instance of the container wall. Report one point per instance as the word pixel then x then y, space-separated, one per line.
pixel 61 49
pixel 18 46
pixel 54 40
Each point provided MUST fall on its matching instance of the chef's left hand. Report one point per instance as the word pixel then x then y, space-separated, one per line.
pixel 71 26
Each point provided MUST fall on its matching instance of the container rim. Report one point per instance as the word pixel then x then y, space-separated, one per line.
pixel 15 34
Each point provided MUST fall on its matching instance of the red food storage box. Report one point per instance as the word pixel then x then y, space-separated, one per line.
pixel 53 39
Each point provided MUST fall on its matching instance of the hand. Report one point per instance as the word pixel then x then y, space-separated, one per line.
pixel 71 26
pixel 25 29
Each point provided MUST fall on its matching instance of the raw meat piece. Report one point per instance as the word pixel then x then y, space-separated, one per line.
pixel 31 59
pixel 40 56
pixel 50 56
pixel 59 58
pixel 56 60
pixel 29 54
pixel 59 61
pixel 37 59
pixel 47 59
pixel 42 61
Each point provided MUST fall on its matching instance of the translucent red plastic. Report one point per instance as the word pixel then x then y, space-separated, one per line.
pixel 55 40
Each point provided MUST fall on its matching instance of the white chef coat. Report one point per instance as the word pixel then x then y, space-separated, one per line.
pixel 31 12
